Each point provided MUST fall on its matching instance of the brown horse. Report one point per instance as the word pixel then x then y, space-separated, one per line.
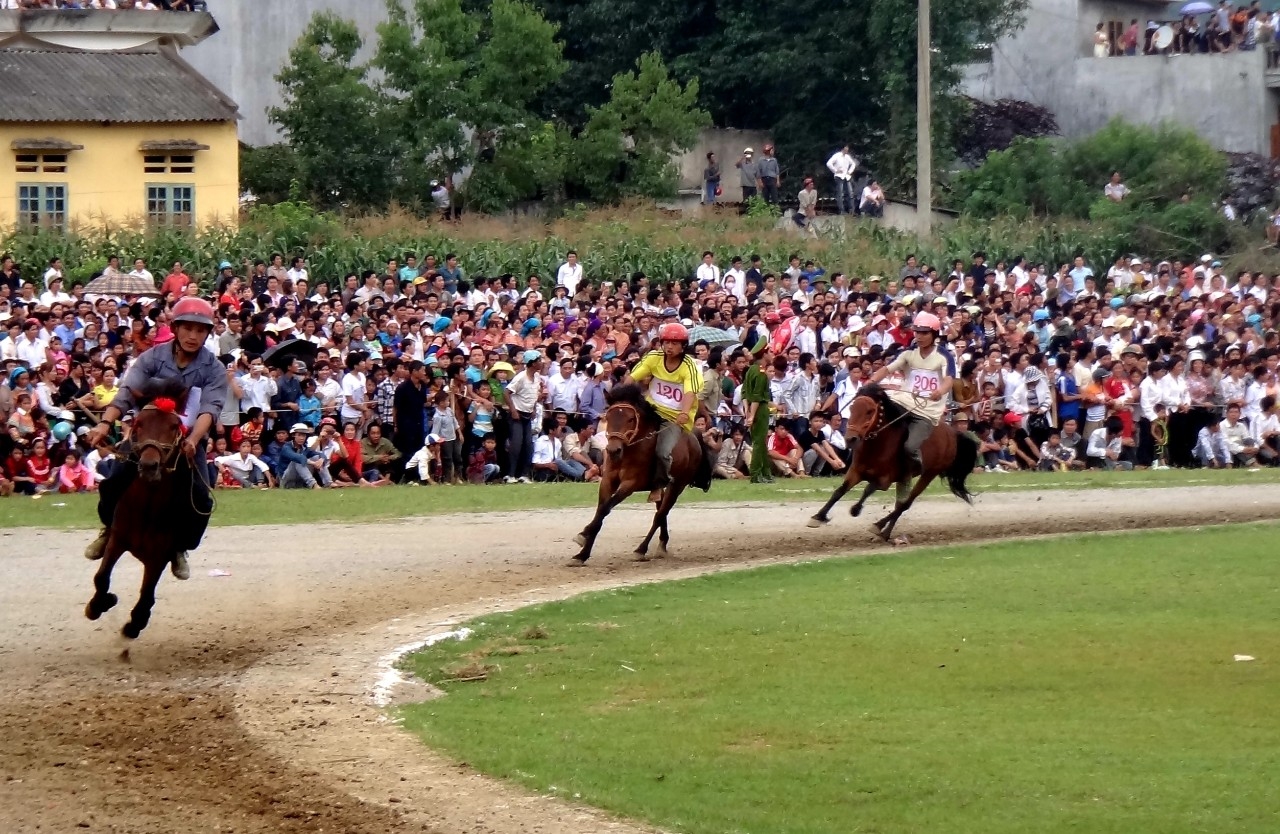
pixel 146 516
pixel 630 458
pixel 878 429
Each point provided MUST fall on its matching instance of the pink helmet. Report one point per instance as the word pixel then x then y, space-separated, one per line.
pixel 926 321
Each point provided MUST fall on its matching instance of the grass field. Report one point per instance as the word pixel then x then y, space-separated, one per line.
pixel 355 506
pixel 1083 685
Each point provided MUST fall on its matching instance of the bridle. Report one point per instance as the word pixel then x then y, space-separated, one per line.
pixel 877 422
pixel 168 451
pixel 629 437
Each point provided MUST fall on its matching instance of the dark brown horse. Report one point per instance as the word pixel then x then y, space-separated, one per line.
pixel 144 522
pixel 630 459
pixel 877 427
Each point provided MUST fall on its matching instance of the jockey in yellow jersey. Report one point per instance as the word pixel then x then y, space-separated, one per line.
pixel 926 385
pixel 671 381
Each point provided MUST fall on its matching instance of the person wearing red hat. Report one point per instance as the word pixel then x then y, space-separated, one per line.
pixel 672 382
pixel 926 387
pixel 184 358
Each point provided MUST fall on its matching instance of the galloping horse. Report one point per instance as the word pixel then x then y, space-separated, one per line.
pixel 632 427
pixel 146 518
pixel 876 427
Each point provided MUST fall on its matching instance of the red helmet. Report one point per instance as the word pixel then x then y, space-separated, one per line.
pixel 673 332
pixel 194 310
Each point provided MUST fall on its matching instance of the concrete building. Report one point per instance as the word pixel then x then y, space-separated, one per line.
pixel 1229 99
pixel 104 123
pixel 254 45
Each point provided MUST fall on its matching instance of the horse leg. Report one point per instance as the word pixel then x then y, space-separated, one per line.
pixel 886 524
pixel 608 487
pixel 103 600
pixel 141 613
pixel 669 499
pixel 587 538
pixel 850 479
pixel 856 509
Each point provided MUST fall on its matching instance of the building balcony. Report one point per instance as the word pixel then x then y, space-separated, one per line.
pixel 96 31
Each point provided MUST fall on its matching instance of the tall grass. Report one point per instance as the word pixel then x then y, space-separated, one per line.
pixel 611 242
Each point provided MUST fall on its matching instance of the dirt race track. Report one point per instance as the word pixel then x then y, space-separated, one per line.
pixel 247 705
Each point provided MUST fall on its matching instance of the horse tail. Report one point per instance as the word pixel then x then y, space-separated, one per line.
pixel 962 466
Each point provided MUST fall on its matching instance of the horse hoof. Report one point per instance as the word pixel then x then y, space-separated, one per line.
pixel 100 605
pixel 642 557
pixel 661 553
pixel 580 540
pixel 131 631
pixel 855 511
pixel 576 562
pixel 817 522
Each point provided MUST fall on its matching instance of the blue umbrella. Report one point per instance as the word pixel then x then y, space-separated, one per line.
pixel 1198 7
pixel 713 336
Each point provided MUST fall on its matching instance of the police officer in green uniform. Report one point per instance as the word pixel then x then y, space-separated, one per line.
pixel 756 396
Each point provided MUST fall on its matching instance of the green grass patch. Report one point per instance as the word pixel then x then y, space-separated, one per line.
pixel 1082 684
pixel 358 506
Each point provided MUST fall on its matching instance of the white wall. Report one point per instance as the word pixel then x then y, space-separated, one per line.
pixel 1224 98
pixel 253 45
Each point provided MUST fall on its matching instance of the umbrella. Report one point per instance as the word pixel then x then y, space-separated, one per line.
pixel 1198 7
pixel 713 336
pixel 119 285
pixel 288 351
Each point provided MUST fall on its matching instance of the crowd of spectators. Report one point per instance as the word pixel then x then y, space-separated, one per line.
pixel 109 5
pixel 1227 28
pixel 418 372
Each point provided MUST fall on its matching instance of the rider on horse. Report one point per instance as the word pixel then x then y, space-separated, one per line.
pixel 186 360
pixel 924 392
pixel 673 383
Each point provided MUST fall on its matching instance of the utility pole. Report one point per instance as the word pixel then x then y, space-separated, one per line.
pixel 924 125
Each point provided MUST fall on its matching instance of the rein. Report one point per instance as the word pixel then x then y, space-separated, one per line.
pixel 629 437
pixel 876 425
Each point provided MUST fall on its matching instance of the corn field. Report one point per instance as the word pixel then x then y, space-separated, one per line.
pixel 611 243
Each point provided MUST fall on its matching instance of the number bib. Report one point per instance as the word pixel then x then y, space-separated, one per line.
pixel 923 383
pixel 666 394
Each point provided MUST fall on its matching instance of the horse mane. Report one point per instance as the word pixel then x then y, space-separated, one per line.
pixel 631 394
pixel 891 409
pixel 153 389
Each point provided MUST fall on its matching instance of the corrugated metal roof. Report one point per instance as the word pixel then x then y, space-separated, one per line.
pixel 37 86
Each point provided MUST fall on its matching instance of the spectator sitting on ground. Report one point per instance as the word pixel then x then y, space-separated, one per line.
pixel 1055 456
pixel 784 453
pixel 1211 445
pixel 244 469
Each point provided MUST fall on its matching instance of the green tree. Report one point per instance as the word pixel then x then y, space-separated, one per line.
pixel 463 83
pixel 815 73
pixel 627 146
pixel 336 122
pixel 271 173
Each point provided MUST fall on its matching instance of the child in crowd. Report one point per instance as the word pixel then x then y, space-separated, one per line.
pixel 445 427
pixel 74 476
pixel 483 468
pixel 1054 455
pixel 40 469
pixel 421 462
pixel 309 404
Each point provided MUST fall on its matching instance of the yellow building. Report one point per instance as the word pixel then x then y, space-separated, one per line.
pixel 119 137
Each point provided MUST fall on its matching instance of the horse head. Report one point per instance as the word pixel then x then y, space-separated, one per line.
pixel 626 418
pixel 157 427
pixel 866 412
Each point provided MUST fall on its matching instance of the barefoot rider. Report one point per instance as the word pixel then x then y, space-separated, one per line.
pixel 671 380
pixel 186 359
pixel 925 388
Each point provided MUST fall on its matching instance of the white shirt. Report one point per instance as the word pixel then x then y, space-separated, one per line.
pixel 30 351
pixel 352 395
pixel 570 276
pixel 546 449
pixel 242 465
pixel 842 165
pixel 257 392
pixel 708 273
pixel 1116 191
pixel 563 393
pixel 872 196
pixel 144 274
pixel 296 275
pixel 48 298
